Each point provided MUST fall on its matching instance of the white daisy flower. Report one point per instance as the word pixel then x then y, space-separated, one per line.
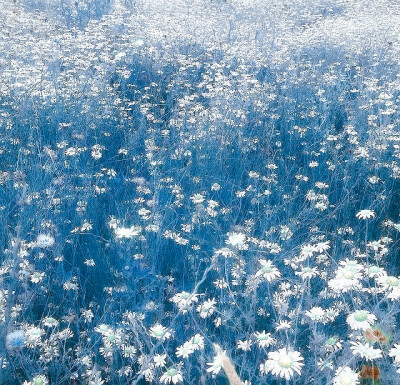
pixel 307 272
pixel 345 279
pixel 40 380
pixel 184 300
pixel 185 350
pixel 366 351
pixel 283 363
pixel 34 335
pixel 215 366
pixel 307 251
pixel 283 324
pixel 365 214
pixel 244 345
pixel 324 364
pixel 375 271
pixel 237 240
pixel 171 375
pixel 264 339
pixel 160 332
pixel 159 360
pixel 333 343
pixel 360 320
pixel 128 351
pixel 44 241
pixel 316 313
pixel 268 271
pixel 207 308
pixel 345 376
pixel 197 198
pixel 127 232
pixel 50 322
pixel 352 265
pixel 197 342
pixel 388 282
pixel 395 353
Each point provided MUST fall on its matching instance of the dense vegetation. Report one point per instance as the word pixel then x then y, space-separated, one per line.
pixel 201 192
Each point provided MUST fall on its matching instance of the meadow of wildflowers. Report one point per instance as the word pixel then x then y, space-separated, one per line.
pixel 199 192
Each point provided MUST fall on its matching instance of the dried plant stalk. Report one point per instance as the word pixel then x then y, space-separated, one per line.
pixel 228 366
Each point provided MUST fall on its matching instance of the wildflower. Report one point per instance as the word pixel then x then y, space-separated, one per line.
pixel 71 151
pixel 388 282
pixel 365 214
pixel 395 353
pixel 184 300
pixel 264 339
pixel 283 363
pixel 197 198
pixel 360 319
pixel 96 152
pixel 237 240
pixel 346 279
pixel 225 252
pixel 366 351
pixel 44 241
pixel 321 206
pixel 37 277
pixel 345 376
pixel 244 345
pixel 185 350
pixel 207 308
pixel 40 380
pixel 274 248
pixel 307 251
pixel 197 342
pixel 316 313
pixel 324 364
pixel 283 324
pixel 34 335
pixel 70 285
pixel 149 373
pixel 102 328
pixel 351 265
pixel 375 271
pixel 171 375
pixel 160 332
pixel 128 351
pixel 106 350
pixel 112 337
pixel 285 233
pixel 333 343
pixel 268 271
pixel 50 322
pixel 159 360
pixel 127 232
pixel 65 334
pixel 307 272
pixel 215 366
